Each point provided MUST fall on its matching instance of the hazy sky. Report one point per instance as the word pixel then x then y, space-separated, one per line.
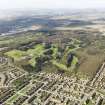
pixel 24 4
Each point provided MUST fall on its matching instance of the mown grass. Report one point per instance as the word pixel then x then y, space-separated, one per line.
pixel 35 52
pixel 12 99
pixel 16 54
pixel 55 51
pixel 59 65
pixel 74 62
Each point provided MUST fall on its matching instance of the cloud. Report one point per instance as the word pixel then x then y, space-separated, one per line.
pixel 7 4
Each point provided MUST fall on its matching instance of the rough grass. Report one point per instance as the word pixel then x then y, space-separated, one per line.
pixel 12 41
pixel 91 63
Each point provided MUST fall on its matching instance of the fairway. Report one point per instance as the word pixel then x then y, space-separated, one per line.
pixel 16 54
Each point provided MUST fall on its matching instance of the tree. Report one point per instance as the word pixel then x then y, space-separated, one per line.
pixel 69 59
pixel 40 62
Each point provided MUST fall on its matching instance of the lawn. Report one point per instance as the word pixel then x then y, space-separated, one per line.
pixel 12 99
pixel 25 89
